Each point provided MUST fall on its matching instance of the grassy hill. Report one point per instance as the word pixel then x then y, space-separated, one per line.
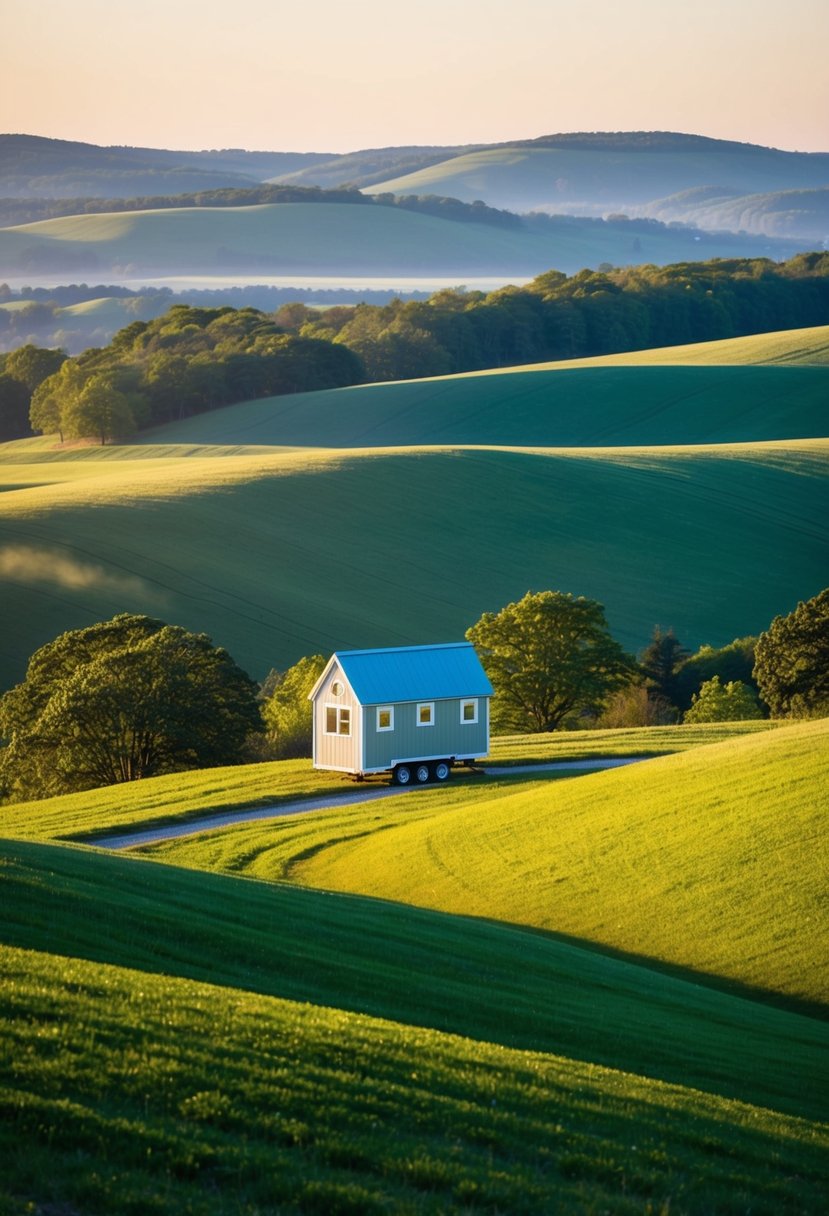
pixel 142 1092
pixel 598 177
pixel 277 552
pixel 711 860
pixel 331 1053
pixel 276 556
pixel 336 239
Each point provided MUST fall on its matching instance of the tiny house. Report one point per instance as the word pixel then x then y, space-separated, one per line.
pixel 412 711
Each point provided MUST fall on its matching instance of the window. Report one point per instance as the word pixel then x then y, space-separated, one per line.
pixel 385 717
pixel 337 720
pixel 426 713
pixel 469 710
pixel 337 688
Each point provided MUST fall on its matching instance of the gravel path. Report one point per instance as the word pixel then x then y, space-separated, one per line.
pixel 305 806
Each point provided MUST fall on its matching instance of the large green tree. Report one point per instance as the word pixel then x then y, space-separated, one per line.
pixel 550 658
pixel 128 698
pixel 99 410
pixel 792 661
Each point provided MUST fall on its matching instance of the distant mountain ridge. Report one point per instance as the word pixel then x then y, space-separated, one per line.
pixel 715 184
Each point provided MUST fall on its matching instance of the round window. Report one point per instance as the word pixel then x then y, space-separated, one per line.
pixel 337 688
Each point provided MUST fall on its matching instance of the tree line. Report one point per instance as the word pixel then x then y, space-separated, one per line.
pixel 193 359
pixel 590 313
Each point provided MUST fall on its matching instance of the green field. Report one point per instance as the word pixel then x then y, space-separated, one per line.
pixel 231 1044
pixel 280 556
pixel 650 860
pixel 252 531
pixel 179 797
pixel 175 1039
pixel 245 1103
pixel 336 239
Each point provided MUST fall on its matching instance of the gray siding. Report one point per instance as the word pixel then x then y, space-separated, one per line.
pixel 408 741
pixel 337 751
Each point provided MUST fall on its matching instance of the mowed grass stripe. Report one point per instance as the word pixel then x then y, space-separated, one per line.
pixel 134 1092
pixel 275 559
pixel 714 860
pixel 486 981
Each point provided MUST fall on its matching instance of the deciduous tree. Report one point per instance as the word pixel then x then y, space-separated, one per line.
pixel 128 698
pixel 550 657
pixel 715 702
pixel 288 712
pixel 792 661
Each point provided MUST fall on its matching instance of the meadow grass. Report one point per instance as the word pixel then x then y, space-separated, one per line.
pixel 137 1093
pixel 174 798
pixel 177 798
pixel 713 860
pixel 491 982
pixel 277 556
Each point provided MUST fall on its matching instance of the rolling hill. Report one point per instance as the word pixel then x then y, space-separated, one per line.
pixel 173 1093
pixel 330 1052
pixel 711 860
pixel 337 239
pixel 605 173
pixel 216 524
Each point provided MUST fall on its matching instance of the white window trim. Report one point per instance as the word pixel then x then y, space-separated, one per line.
pixel 338 710
pixel 469 701
pixel 430 705
pixel 389 709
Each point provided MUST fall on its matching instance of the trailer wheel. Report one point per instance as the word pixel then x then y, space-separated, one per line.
pixel 402 774
pixel 442 770
pixel 422 773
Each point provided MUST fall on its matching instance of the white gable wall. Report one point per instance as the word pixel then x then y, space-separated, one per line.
pixel 337 750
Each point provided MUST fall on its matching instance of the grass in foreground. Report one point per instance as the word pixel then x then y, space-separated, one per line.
pixel 494 983
pixel 135 1093
pixel 713 860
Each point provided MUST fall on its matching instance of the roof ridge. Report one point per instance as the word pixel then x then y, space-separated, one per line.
pixel 404 649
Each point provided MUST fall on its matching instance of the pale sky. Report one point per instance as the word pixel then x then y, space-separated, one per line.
pixel 338 75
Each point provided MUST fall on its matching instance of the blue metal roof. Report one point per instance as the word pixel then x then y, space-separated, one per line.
pixel 414 673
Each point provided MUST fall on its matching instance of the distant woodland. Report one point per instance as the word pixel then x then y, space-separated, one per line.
pixel 194 359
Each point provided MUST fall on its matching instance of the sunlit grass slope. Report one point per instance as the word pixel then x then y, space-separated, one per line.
pixel 334 238
pixel 280 556
pixel 178 797
pixel 138 1093
pixel 714 860
pixel 495 983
